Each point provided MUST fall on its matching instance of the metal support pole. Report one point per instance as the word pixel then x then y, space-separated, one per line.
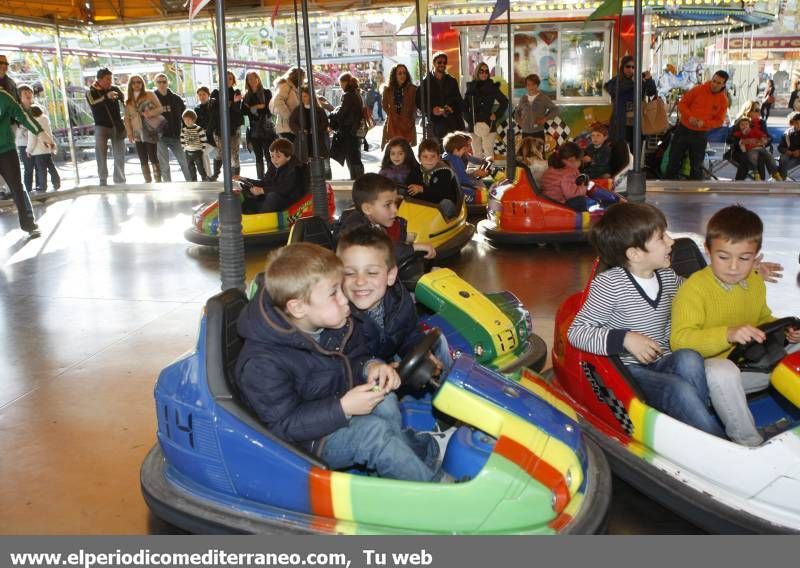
pixel 511 152
pixel 231 243
pixel 636 177
pixel 428 75
pixel 419 58
pixel 319 195
pixel 63 78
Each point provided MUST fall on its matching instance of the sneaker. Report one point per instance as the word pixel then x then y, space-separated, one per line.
pixel 442 438
pixel 757 177
pixel 777 176
pixel 34 234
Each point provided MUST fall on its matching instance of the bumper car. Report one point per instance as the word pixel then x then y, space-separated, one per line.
pixel 518 213
pixel 714 483
pixel 258 229
pixel 448 236
pixel 495 329
pixel 521 463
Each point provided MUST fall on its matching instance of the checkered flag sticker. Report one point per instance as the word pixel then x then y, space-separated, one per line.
pixel 559 130
pixel 607 397
pixel 500 140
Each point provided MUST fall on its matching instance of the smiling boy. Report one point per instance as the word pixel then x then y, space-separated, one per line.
pixel 721 306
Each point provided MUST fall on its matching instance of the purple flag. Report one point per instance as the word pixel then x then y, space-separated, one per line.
pixel 499 8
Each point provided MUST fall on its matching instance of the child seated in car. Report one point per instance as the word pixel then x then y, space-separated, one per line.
pixel 434 181
pixel 457 152
pixel 596 162
pixel 305 371
pixel 627 313
pixel 721 306
pixel 531 154
pixel 375 200
pixel 378 300
pixel 281 185
pixel 398 161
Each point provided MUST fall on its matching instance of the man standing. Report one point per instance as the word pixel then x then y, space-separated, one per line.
pixel 6 82
pixel 9 164
pixel 446 104
pixel 170 139
pixel 702 109
pixel 105 100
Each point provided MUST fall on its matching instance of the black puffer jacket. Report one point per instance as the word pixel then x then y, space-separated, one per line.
pixel 480 98
pixel 173 111
pixel 292 382
pixel 401 325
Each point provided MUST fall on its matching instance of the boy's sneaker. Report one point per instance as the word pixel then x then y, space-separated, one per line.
pixel 757 176
pixel 777 176
pixel 442 437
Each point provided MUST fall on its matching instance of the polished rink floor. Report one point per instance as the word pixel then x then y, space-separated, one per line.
pixel 111 293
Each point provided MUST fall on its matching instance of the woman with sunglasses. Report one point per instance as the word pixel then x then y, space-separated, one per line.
pixel 482 115
pixel 621 90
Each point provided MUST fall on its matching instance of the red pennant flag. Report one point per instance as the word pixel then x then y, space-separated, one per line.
pixel 195 6
pixel 275 13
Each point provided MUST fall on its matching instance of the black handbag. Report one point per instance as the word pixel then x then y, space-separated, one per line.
pixel 338 150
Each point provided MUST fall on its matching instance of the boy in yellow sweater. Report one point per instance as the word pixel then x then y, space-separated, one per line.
pixel 722 305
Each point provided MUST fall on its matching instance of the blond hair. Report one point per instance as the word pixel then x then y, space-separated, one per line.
pixel 291 271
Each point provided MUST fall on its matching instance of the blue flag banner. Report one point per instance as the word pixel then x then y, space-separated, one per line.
pixel 499 8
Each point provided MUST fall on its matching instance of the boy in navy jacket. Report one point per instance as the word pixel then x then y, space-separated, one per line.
pixel 281 185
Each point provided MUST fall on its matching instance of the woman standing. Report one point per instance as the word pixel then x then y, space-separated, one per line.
pixel 622 89
pixel 794 98
pixel 142 118
pixel 398 103
pixel 287 98
pixel 261 130
pixel 767 101
pixel 348 120
pixel 306 148
pixel 482 93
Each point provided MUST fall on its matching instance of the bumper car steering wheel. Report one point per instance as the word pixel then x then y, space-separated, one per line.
pixel 416 368
pixel 762 357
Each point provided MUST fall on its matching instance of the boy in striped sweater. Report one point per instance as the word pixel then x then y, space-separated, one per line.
pixel 627 313
pixel 193 140
pixel 722 305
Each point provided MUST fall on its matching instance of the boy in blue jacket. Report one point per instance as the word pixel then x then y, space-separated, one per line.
pixel 380 304
pixel 305 371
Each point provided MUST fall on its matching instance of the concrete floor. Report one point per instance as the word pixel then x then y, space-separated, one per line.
pixel 111 293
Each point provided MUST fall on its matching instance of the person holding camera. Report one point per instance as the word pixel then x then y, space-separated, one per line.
pixel 105 101
pixel 445 113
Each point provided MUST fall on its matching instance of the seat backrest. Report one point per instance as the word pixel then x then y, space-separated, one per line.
pixel 312 230
pixel 686 257
pixel 223 343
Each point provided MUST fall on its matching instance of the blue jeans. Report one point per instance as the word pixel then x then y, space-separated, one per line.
pixel 378 442
pixel 676 385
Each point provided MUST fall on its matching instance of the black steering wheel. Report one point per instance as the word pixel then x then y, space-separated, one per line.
pixel 416 368
pixel 762 357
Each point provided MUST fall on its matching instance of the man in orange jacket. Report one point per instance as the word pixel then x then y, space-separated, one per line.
pixel 702 109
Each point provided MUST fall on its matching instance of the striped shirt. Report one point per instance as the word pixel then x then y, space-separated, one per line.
pixel 616 305
pixel 193 138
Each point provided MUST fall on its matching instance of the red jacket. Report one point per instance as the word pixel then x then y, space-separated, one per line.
pixel 702 104
pixel 559 184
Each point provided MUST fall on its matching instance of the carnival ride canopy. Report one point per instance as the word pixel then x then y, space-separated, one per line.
pixel 120 12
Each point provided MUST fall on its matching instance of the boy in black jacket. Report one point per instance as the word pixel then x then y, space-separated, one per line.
pixel 434 181
pixel 378 301
pixel 281 186
pixel 303 371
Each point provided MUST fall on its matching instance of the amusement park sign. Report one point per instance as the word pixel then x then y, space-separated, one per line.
pixel 788 43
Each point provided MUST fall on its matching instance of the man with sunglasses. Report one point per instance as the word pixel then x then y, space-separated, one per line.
pixel 170 139
pixel 701 109
pixel 105 100
pixel 446 110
